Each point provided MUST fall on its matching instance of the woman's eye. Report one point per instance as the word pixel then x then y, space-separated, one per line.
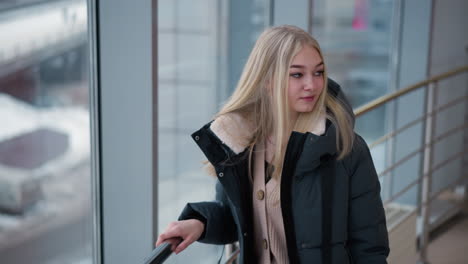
pixel 319 73
pixel 296 75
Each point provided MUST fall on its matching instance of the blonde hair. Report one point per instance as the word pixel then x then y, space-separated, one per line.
pixel 268 64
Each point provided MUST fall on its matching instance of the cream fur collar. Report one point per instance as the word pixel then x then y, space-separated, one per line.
pixel 235 131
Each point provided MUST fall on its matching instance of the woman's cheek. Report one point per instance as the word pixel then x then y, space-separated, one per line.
pixel 320 87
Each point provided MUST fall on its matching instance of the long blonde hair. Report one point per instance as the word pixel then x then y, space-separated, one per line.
pixel 268 64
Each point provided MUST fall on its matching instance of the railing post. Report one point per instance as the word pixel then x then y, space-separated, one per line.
pixel 464 187
pixel 430 106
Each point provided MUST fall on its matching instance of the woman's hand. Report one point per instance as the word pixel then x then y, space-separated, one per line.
pixel 187 230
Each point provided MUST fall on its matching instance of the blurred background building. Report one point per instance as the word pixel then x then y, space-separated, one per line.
pixel 98 100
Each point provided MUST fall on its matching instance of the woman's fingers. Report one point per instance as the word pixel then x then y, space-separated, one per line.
pixel 182 246
pixel 186 231
pixel 175 241
pixel 161 239
pixel 172 231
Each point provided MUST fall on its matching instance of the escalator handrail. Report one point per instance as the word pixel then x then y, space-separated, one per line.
pixel 159 254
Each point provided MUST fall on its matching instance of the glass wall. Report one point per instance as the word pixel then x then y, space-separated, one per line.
pixel 202 48
pixel 45 208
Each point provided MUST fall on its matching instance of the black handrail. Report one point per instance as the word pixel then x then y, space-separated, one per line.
pixel 159 254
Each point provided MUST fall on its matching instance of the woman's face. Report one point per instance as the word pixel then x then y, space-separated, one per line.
pixel 305 80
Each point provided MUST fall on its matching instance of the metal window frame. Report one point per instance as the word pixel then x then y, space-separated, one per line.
pixel 123 147
pixel 94 132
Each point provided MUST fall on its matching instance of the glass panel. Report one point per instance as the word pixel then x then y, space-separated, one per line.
pixel 45 209
pixel 199 54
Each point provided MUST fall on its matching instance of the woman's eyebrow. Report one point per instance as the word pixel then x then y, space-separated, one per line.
pixel 297 66
pixel 302 66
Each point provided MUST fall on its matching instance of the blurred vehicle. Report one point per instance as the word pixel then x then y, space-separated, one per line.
pixel 44 137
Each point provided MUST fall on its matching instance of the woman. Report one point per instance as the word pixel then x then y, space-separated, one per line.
pixel 295 183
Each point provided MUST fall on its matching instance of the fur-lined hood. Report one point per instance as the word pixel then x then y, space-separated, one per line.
pixel 235 131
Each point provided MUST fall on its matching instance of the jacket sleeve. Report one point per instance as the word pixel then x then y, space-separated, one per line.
pixel 367 229
pixel 220 227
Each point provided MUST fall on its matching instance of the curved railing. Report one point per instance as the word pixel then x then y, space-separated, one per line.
pixel 432 110
pixel 387 98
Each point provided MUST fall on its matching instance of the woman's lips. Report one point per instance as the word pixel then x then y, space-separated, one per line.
pixel 308 98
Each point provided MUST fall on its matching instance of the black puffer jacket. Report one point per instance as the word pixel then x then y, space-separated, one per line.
pixel 332 209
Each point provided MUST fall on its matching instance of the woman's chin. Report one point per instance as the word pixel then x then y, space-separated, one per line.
pixel 306 109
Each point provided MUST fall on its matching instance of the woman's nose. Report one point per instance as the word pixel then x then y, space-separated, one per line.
pixel 308 84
